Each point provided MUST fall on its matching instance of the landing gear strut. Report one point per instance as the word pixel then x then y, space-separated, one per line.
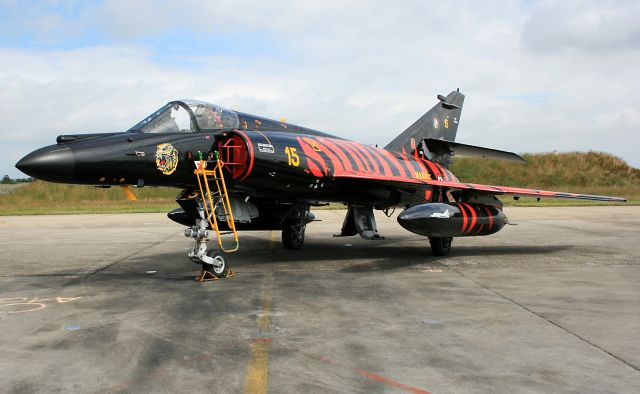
pixel 440 246
pixel 214 266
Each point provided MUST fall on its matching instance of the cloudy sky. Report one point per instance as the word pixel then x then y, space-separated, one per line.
pixel 538 76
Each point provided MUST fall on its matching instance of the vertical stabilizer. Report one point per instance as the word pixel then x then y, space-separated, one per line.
pixel 439 122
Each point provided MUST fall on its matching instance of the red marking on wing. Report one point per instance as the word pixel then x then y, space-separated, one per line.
pixel 352 154
pixel 408 165
pixel 385 167
pixel 313 167
pixel 346 163
pixel 413 164
pixel 311 153
pixel 494 190
pixel 396 163
pixel 520 191
pixel 337 165
pixel 366 165
pixel 375 167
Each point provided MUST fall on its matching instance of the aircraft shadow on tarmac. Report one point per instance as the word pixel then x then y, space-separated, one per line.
pixel 346 255
pixel 263 254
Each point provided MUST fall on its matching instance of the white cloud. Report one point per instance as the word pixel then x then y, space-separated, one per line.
pixel 537 78
pixel 589 26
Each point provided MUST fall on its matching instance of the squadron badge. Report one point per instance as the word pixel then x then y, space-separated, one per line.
pixel 166 158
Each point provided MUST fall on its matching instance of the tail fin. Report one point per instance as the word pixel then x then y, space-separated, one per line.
pixel 440 122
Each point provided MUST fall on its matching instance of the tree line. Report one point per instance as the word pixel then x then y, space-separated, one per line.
pixel 7 180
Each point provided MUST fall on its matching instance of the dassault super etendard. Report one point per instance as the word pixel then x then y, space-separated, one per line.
pixel 245 172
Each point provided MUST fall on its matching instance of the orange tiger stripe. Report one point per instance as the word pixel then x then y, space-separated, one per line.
pixel 337 165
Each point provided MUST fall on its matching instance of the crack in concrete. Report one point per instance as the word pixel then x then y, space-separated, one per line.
pixel 627 363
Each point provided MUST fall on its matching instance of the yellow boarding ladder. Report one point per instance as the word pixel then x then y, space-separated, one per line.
pixel 219 197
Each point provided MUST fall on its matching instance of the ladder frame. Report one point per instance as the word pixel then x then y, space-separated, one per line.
pixel 222 198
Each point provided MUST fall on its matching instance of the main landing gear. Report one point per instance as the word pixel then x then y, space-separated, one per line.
pixel 293 236
pixel 214 265
pixel 294 226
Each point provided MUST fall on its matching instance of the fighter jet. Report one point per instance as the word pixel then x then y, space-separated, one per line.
pixel 244 172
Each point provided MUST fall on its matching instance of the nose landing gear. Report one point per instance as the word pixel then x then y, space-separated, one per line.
pixel 214 265
pixel 218 270
pixel 212 204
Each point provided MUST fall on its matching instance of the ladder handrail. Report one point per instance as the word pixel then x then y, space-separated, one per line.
pixel 223 200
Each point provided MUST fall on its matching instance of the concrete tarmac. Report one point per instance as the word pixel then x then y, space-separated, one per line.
pixel 108 304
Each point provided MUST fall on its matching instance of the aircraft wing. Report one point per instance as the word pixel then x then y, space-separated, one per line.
pixel 489 189
pixel 516 191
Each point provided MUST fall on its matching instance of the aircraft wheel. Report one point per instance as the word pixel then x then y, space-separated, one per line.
pixel 220 269
pixel 293 237
pixel 440 246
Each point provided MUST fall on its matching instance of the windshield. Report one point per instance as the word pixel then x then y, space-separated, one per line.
pixel 212 117
pixel 187 117
pixel 172 118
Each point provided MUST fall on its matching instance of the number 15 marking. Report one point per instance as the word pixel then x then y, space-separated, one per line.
pixel 292 156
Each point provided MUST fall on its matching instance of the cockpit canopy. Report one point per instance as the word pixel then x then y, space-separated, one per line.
pixel 188 116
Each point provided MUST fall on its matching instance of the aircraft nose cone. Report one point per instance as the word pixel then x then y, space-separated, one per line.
pixel 50 163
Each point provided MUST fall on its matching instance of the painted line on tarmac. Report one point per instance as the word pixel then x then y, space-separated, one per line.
pixel 257 377
pixel 377 378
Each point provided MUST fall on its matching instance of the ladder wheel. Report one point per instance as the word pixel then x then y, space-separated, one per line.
pixel 220 271
pixel 293 237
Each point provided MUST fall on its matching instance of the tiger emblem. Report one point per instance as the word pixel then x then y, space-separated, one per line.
pixel 166 158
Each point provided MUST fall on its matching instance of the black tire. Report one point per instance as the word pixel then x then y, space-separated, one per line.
pixel 220 271
pixel 293 237
pixel 440 246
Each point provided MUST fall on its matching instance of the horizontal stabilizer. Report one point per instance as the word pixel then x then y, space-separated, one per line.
pixel 443 147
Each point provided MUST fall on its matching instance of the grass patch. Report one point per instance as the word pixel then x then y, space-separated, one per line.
pixel 39 197
pixel 574 172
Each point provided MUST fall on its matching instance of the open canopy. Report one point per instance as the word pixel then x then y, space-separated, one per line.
pixel 187 116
